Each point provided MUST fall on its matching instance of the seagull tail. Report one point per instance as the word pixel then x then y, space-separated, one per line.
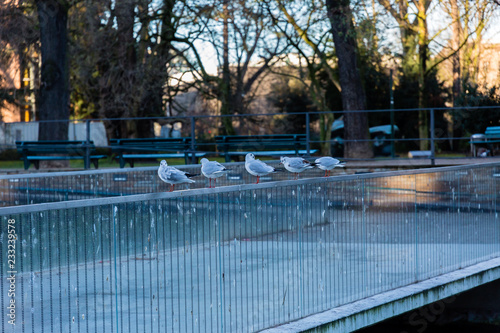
pixel 278 169
pixel 191 175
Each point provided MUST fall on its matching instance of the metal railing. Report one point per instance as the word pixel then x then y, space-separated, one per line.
pixel 402 137
pixel 25 189
pixel 240 258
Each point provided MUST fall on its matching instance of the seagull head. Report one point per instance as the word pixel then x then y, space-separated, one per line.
pixel 203 161
pixel 163 163
pixel 249 157
pixel 282 160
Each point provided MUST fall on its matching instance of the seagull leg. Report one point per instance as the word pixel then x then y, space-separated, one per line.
pixel 209 182
pixel 326 172
pixel 215 182
pixel 258 177
pixel 172 187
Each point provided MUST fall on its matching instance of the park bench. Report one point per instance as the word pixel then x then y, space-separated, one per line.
pixel 232 146
pixel 490 137
pixel 420 154
pixel 130 150
pixel 54 150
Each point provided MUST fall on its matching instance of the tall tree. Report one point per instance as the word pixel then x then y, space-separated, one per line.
pixel 353 95
pixel 303 36
pixel 225 87
pixel 120 61
pixel 246 51
pixel 54 88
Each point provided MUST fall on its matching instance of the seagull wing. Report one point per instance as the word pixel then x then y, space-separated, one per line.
pixel 213 168
pixel 298 163
pixel 176 175
pixel 260 167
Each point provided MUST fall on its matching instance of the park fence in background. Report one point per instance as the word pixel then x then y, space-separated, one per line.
pixel 393 133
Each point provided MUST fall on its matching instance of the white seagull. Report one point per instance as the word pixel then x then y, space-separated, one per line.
pixel 328 163
pixel 173 175
pixel 257 167
pixel 212 170
pixel 296 164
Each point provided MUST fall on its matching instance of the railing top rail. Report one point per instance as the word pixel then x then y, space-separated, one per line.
pixel 265 114
pixel 89 172
pixel 225 189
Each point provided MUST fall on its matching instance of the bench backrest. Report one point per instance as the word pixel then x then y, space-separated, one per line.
pixel 54 147
pixel 492 132
pixel 150 144
pixel 260 142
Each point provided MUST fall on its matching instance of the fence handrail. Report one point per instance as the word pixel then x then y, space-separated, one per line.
pixel 32 208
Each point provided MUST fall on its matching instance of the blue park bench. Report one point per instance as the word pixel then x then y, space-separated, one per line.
pixel 491 136
pixel 54 150
pixel 231 146
pixel 130 150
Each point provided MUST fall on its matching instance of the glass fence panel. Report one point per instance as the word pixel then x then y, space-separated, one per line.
pixel 66 186
pixel 240 258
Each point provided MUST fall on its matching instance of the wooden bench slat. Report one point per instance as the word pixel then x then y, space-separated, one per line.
pixel 263 145
pixel 36 151
pixel 128 150
pixel 271 153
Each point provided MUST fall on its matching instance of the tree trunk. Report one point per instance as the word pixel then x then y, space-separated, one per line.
pixel 423 45
pixel 353 95
pixel 325 135
pixel 227 122
pixel 126 71
pixel 457 84
pixel 152 99
pixel 54 88
pixel 456 27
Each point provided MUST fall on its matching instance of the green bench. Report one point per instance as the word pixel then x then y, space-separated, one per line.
pixel 491 136
pixel 57 150
pixel 231 146
pixel 130 150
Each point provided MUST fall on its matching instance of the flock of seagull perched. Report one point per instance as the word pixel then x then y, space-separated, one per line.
pixel 213 169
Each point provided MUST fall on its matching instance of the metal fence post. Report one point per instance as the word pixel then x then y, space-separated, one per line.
pixel 393 150
pixel 87 146
pixel 308 134
pixel 433 157
pixel 193 141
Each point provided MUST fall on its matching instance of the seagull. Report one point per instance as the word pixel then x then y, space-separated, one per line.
pixel 257 167
pixel 296 164
pixel 328 163
pixel 173 175
pixel 212 170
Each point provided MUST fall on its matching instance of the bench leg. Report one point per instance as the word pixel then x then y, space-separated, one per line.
pixel 36 164
pixel 26 164
pixel 96 163
pixel 131 162
pixel 122 162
